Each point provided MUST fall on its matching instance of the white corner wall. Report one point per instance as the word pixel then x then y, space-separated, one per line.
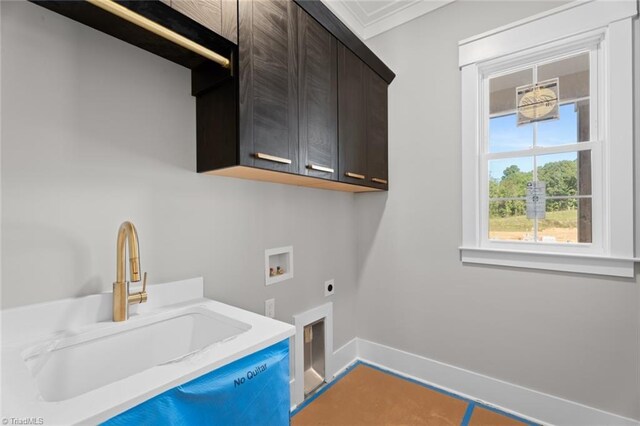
pixel 571 336
pixel 96 131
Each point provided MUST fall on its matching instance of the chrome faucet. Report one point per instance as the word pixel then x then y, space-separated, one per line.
pixel 121 296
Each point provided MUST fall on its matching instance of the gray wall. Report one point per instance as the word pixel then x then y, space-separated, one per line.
pixel 574 336
pixel 96 131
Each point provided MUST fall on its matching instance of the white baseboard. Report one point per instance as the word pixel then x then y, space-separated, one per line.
pixel 530 404
pixel 527 403
pixel 344 357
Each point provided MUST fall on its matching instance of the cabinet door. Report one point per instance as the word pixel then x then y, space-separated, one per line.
pixel 207 13
pixel 220 16
pixel 268 81
pixel 318 99
pixel 229 20
pixel 377 130
pixel 351 118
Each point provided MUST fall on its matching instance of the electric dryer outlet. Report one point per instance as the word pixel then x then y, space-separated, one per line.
pixel 329 287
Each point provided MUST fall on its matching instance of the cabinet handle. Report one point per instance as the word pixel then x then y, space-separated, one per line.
pixel 320 168
pixel 355 175
pixel 273 158
pixel 378 180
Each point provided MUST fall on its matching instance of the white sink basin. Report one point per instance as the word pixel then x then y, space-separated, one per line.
pixel 70 366
pixel 66 362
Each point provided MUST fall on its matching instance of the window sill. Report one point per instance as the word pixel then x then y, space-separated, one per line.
pixel 585 264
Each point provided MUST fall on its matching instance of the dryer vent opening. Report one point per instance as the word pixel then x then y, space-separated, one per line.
pixel 314 362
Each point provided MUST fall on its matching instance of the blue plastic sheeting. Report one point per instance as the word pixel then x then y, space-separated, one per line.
pixel 253 390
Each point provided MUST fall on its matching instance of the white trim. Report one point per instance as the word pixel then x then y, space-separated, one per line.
pixel 324 311
pixel 574 18
pixel 527 403
pixel 605 29
pixel 518 400
pixel 585 43
pixel 347 16
pixel 586 264
pixel 619 144
pixel 470 152
pixel 292 391
pixel 390 15
pixel 398 16
pixel 542 150
pixel 342 359
pixel 522 21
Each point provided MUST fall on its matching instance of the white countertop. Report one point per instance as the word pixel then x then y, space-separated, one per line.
pixel 25 327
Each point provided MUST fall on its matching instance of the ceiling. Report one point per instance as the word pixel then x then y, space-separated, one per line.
pixel 368 18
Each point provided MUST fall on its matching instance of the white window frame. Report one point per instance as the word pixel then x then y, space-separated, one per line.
pixel 606 29
pixel 540 55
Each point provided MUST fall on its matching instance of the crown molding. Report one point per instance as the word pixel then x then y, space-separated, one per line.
pixel 391 13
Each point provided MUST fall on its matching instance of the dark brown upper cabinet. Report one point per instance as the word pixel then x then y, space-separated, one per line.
pixel 318 99
pixel 296 98
pixel 352 128
pixel 205 12
pixel 220 16
pixel 377 129
pixel 362 134
pixel 268 83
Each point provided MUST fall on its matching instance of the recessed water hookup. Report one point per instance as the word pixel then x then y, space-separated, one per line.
pixel 278 264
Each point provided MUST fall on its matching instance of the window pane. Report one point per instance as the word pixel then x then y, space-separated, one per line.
pixel 571 127
pixel 502 96
pixel 508 177
pixel 573 73
pixel 505 135
pixel 566 221
pixel 565 174
pixel 508 221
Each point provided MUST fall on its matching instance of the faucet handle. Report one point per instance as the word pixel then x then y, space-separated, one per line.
pixel 143 293
pixel 144 283
pixel 141 296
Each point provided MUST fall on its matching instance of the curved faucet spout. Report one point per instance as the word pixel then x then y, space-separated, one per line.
pixel 127 233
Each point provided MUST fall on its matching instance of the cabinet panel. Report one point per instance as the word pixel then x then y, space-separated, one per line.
pixel 318 103
pixel 268 74
pixel 377 130
pixel 220 16
pixel 229 25
pixel 352 119
pixel 205 12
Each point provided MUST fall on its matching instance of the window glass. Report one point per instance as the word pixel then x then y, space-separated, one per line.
pixel 504 134
pixel 571 127
pixel 531 154
pixel 502 90
pixel 573 124
pixel 508 178
pixel 573 73
pixel 508 221
pixel 566 174
pixel 567 220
